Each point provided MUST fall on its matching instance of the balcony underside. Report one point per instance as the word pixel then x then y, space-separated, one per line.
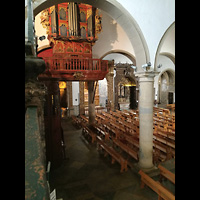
pixel 73 75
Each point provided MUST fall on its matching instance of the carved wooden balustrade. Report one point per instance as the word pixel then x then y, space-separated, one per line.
pixel 80 69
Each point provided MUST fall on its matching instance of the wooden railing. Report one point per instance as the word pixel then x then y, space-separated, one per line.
pixel 76 64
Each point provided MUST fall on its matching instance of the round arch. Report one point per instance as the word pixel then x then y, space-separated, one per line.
pixel 117 12
pixel 164 88
pixel 168 54
pixel 170 71
pixel 125 53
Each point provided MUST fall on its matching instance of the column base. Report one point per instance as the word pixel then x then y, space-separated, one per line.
pixel 152 171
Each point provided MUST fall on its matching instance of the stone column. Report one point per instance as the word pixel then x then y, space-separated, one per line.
pixel 91 104
pixel 146 100
pixel 35 159
pixel 109 78
pixel 81 93
pixel 70 103
pixel 35 167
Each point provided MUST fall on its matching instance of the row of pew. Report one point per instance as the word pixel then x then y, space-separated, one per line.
pixel 120 130
pixel 117 134
pixel 108 135
pixel 163 134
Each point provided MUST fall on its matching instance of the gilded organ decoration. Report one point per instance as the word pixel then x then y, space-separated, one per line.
pixel 45 20
pixel 98 25
pixel 78 75
pixel 72 30
pixel 53 16
pixel 72 21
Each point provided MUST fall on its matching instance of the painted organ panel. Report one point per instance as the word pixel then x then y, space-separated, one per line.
pixel 72 30
pixel 72 21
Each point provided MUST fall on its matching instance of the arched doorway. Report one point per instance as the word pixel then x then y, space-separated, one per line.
pixel 166 87
pixel 124 88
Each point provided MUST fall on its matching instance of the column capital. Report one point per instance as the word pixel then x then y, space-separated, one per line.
pixel 146 76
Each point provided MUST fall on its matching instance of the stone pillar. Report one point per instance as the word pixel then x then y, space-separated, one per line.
pixel 91 104
pixel 146 100
pixel 109 78
pixel 70 103
pixel 35 167
pixel 81 93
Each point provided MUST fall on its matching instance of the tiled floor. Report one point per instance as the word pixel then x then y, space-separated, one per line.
pixel 87 175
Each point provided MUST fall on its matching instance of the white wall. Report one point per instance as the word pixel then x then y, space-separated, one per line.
pixel 169 42
pixel 112 37
pixel 153 17
pixel 167 64
pixel 40 31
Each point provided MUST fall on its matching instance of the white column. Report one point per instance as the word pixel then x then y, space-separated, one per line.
pixel 75 97
pixel 146 100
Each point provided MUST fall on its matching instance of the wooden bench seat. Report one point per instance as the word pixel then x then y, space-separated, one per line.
pixel 118 126
pixel 110 129
pixel 76 121
pixel 168 133
pixel 101 131
pixel 168 152
pixel 125 148
pixel 167 174
pixel 84 118
pixel 164 140
pixel 162 192
pixel 115 155
pixel 132 139
pixel 171 106
pixel 87 131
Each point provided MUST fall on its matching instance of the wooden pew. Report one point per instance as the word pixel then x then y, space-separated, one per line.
pixel 101 130
pixel 168 151
pixel 171 106
pixel 162 192
pixel 76 121
pixel 87 131
pixel 84 118
pixel 164 140
pixel 165 132
pixel 125 148
pixel 115 155
pixel 124 128
pixel 166 174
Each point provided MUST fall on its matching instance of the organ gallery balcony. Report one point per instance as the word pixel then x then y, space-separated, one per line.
pixel 74 69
